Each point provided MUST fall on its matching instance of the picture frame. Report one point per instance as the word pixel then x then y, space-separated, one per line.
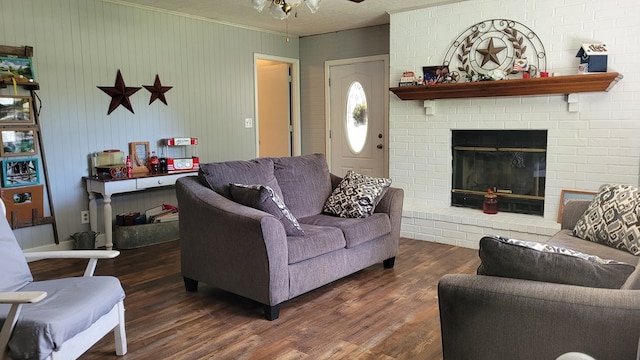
pixel 19 68
pixel 16 110
pixel 19 141
pixel 139 153
pixel 20 172
pixel 436 74
pixel 566 195
pixel 22 201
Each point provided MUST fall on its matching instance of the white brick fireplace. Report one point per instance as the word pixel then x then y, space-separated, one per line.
pixel 597 144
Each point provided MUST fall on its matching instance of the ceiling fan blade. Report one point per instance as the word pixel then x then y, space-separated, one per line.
pixel 356 1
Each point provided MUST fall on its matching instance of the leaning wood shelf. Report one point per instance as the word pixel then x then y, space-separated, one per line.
pixel 567 84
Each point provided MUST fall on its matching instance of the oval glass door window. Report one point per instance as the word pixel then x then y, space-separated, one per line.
pixel 356 117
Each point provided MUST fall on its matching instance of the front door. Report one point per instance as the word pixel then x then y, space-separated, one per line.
pixel 358 117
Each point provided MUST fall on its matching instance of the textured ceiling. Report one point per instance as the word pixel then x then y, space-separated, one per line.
pixel 333 15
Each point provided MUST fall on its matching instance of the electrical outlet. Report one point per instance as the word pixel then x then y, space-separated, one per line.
pixel 84 217
pixel 248 123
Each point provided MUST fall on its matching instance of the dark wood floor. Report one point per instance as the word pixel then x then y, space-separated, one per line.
pixel 373 314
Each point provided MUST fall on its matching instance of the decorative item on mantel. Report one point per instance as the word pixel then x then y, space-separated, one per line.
pixel 489 47
pixel 490 204
pixel 594 56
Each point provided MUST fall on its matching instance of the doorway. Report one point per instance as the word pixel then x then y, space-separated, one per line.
pixel 277 125
pixel 358 116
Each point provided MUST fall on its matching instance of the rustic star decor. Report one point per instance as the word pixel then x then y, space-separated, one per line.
pixel 491 53
pixel 157 91
pixel 119 94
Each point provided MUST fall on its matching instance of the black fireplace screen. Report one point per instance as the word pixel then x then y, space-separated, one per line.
pixel 512 163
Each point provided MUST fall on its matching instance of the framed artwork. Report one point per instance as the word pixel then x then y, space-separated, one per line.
pixel 567 195
pixel 15 110
pixel 20 172
pixel 139 153
pixel 18 141
pixel 16 67
pixel 23 202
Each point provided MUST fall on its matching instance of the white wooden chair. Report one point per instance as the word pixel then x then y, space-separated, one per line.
pixel 55 319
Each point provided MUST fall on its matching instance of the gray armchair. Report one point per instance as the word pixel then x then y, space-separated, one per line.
pixel 489 317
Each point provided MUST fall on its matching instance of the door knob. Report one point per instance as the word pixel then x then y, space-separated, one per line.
pixel 379 146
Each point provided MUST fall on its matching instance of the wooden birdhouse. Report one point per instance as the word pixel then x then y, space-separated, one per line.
pixel 595 56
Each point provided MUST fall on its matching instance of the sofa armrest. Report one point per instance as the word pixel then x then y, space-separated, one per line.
pixel 484 317
pixel 231 246
pixel 391 204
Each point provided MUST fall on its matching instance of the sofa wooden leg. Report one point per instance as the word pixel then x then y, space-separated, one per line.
pixel 388 264
pixel 190 284
pixel 271 312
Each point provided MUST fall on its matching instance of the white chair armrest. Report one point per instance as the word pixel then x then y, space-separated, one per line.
pixel 71 254
pixel 92 255
pixel 22 297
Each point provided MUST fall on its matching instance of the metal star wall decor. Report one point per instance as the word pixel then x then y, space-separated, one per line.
pixel 157 91
pixel 495 44
pixel 119 93
pixel 491 53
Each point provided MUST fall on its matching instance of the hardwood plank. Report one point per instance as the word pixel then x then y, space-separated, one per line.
pixel 375 313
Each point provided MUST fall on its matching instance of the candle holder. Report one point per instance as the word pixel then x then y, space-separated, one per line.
pixel 490 204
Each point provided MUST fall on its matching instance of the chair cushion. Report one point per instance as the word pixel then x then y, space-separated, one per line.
pixel 613 218
pixel 317 240
pixel 13 265
pixel 264 198
pixel 218 175
pixel 305 183
pixel 541 262
pixel 72 305
pixel 356 196
pixel 356 231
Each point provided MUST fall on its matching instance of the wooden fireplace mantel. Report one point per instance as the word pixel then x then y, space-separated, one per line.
pixel 567 84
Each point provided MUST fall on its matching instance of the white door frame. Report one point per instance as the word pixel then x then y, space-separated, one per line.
pixel 327 103
pixel 296 147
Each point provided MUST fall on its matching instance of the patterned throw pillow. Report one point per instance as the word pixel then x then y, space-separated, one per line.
pixel 541 262
pixel 356 196
pixel 613 218
pixel 265 199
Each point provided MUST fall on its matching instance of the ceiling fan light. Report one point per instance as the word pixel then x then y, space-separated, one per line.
pixel 259 4
pixel 313 5
pixel 277 12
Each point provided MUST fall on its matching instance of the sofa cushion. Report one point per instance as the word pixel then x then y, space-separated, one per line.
pixel 218 175
pixel 317 240
pixel 44 326
pixel 264 198
pixel 356 196
pixel 565 239
pixel 534 261
pixel 13 265
pixel 613 218
pixel 356 231
pixel 305 183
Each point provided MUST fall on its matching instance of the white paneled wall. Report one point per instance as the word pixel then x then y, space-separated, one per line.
pixel 80 44
pixel 596 145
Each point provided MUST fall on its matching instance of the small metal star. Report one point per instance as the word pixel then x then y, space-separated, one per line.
pixel 119 94
pixel 491 53
pixel 157 91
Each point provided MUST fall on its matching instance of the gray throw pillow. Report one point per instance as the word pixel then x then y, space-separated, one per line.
pixel 218 175
pixel 356 196
pixel 541 262
pixel 265 199
pixel 613 218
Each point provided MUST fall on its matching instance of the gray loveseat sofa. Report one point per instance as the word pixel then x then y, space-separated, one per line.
pixel 247 251
pixel 498 317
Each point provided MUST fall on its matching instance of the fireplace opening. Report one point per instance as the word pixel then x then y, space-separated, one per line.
pixel 512 163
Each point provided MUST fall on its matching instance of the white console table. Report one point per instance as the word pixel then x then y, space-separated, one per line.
pixel 106 188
